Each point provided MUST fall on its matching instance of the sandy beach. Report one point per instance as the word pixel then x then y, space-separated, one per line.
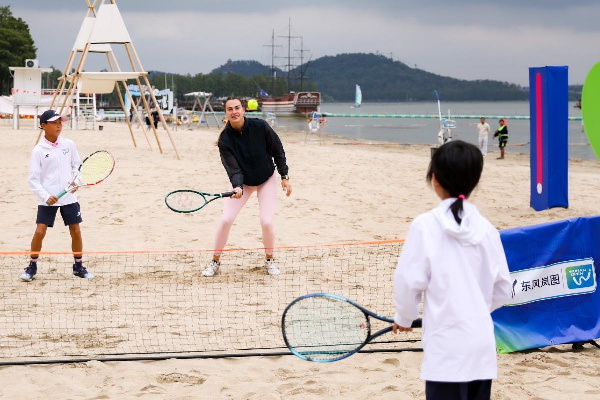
pixel 341 194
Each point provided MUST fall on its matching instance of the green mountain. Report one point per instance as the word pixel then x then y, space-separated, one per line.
pixel 246 68
pixel 383 79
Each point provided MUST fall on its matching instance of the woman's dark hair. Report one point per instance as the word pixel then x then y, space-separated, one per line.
pixel 457 167
pixel 232 98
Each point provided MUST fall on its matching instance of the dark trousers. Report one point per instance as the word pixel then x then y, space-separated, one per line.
pixel 474 390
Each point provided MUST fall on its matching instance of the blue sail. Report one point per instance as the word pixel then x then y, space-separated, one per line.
pixel 357 97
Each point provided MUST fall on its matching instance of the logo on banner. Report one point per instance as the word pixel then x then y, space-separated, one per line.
pixel 567 278
pixel 580 276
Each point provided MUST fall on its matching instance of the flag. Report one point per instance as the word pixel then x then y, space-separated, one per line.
pixel 263 93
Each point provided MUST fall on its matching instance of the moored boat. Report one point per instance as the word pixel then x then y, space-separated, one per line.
pixel 292 103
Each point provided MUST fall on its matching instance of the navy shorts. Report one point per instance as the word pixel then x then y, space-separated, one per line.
pixel 71 214
pixel 474 390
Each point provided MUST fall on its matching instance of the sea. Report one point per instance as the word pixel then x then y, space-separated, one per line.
pixel 424 131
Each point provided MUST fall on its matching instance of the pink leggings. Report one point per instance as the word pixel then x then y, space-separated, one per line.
pixel 267 202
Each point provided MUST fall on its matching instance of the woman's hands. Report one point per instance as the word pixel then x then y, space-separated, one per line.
pixel 286 186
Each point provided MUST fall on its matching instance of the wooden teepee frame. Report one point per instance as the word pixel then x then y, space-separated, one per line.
pixel 202 100
pixel 103 26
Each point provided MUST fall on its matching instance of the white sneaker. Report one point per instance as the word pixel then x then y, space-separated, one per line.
pixel 271 267
pixel 26 277
pixel 212 269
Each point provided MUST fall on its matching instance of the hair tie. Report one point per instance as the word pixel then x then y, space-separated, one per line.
pixel 461 196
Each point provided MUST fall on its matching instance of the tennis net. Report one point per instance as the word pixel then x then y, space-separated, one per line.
pixel 143 303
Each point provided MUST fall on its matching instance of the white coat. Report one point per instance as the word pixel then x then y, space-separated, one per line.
pixel 462 271
pixel 51 169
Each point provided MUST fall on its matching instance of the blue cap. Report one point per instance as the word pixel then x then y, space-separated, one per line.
pixel 51 115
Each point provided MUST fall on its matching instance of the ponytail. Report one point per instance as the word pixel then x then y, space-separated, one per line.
pixel 457 208
pixel 220 134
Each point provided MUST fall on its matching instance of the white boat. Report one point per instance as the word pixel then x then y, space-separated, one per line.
pixel 447 125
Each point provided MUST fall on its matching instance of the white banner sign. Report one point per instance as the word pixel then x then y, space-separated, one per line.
pixel 567 278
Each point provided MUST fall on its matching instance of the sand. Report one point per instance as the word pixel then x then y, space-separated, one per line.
pixel 341 193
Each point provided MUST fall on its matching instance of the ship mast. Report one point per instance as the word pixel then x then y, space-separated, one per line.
pixel 273 70
pixel 289 37
pixel 302 70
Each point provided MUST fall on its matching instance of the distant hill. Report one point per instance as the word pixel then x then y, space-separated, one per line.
pixel 246 68
pixel 380 77
pixel 383 79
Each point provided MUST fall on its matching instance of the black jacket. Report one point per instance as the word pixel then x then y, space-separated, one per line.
pixel 248 155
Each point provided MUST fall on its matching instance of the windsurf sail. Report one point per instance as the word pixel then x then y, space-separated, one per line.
pixel 357 97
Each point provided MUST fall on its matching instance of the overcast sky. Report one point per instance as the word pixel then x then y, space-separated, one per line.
pixel 466 39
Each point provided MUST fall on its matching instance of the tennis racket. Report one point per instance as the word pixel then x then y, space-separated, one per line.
pixel 189 201
pixel 94 169
pixel 326 327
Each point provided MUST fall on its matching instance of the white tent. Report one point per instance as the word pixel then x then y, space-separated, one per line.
pixel 102 27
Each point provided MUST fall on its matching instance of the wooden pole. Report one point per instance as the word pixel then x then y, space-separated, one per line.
pixel 162 118
pixel 132 102
pixel 143 97
pixel 214 115
pixel 122 104
pixel 152 94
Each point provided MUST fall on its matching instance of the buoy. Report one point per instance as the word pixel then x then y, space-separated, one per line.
pixel 185 119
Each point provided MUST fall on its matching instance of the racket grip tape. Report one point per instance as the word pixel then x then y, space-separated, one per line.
pixel 62 193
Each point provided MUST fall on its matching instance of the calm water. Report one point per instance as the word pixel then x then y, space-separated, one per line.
pixel 413 131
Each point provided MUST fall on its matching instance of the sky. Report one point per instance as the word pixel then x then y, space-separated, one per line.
pixel 464 39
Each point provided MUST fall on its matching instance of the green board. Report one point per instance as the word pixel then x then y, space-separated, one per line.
pixel 590 108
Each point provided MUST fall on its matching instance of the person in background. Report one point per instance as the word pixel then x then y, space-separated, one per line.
pixel 502 134
pixel 453 258
pixel 483 128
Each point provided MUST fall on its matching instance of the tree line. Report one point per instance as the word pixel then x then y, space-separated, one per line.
pixel 16 45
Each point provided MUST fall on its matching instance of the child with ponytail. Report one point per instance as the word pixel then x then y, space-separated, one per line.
pixel 454 256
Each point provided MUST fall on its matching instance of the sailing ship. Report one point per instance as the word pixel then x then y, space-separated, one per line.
pixel 302 103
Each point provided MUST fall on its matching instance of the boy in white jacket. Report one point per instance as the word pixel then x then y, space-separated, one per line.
pixel 54 161
pixel 455 257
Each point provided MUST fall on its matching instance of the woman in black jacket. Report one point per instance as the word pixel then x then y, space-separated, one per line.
pixel 250 152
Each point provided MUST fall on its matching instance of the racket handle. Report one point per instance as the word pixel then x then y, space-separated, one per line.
pixel 227 194
pixel 62 193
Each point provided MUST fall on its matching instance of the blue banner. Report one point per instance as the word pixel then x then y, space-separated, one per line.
pixel 549 136
pixel 554 270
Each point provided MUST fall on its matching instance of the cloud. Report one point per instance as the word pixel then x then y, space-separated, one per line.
pixel 465 39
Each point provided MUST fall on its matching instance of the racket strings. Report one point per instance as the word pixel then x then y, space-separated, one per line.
pixel 185 200
pixel 96 167
pixel 323 329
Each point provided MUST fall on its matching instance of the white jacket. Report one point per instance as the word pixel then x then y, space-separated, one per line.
pixel 463 272
pixel 483 129
pixel 51 169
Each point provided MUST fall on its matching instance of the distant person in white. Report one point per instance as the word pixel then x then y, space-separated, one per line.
pixel 484 130
pixel 453 255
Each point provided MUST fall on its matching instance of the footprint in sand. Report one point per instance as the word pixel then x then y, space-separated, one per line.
pixel 392 361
